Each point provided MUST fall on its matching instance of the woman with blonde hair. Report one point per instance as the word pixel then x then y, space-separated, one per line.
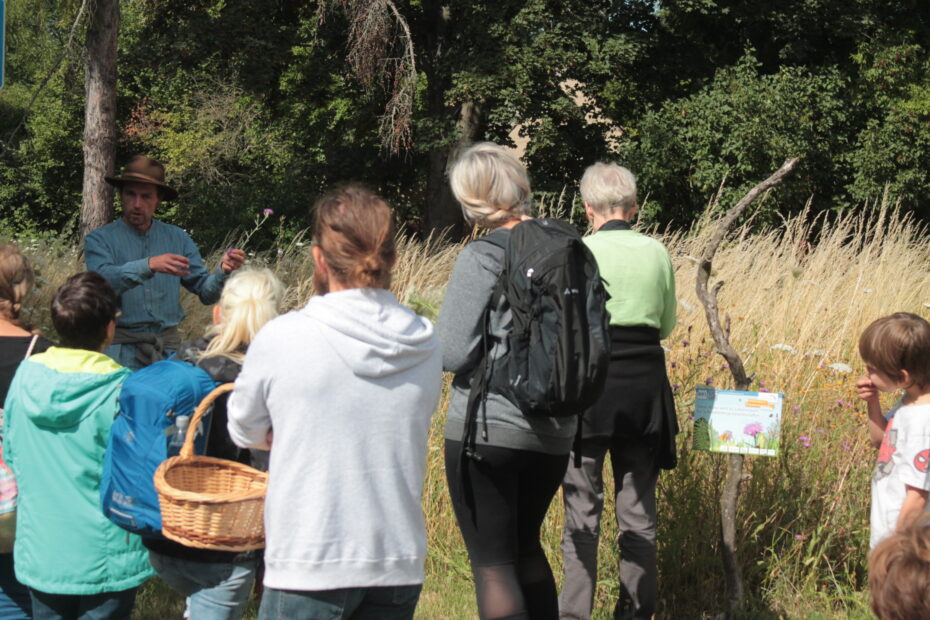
pixel 349 383
pixel 502 488
pixel 218 583
pixel 16 344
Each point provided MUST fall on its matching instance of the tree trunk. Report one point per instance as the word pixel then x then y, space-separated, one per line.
pixel 99 115
pixel 442 211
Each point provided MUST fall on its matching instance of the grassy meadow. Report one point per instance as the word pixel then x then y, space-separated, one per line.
pixel 797 297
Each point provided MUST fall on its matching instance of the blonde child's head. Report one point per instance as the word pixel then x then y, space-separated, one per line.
pixel 897 343
pixel 251 298
pixel 899 574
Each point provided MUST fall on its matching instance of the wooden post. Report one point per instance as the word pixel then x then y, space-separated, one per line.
pixel 729 499
pixel 99 115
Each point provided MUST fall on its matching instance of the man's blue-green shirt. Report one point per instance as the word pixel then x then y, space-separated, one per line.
pixel 150 302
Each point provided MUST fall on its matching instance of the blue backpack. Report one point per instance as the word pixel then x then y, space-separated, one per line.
pixel 155 405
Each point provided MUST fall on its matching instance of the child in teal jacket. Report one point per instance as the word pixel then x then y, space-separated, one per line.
pixel 58 415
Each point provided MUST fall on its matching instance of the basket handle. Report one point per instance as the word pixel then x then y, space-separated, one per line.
pixel 188 448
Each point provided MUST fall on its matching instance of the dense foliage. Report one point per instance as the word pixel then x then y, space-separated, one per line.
pixel 254 105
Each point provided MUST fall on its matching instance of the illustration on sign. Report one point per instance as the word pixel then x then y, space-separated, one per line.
pixel 737 422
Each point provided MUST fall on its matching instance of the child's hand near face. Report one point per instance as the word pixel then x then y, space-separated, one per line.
pixel 866 390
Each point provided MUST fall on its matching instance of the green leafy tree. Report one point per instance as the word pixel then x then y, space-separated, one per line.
pixel 735 131
pixel 894 147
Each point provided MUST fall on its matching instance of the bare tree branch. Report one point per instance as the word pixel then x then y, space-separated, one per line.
pixel 721 333
pixel 376 28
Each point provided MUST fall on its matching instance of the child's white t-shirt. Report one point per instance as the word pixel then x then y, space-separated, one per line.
pixel 902 460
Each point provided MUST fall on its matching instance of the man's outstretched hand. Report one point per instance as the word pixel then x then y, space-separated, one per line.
pixel 232 260
pixel 172 264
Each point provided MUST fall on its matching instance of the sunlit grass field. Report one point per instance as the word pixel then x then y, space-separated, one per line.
pixel 797 297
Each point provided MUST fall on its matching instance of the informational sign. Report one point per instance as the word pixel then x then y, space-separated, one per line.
pixel 737 422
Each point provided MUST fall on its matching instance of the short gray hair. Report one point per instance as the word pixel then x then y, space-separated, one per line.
pixel 606 187
pixel 491 184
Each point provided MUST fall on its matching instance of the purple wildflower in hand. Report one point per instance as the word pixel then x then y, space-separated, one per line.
pixel 752 429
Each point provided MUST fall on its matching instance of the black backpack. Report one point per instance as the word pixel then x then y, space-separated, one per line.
pixel 556 357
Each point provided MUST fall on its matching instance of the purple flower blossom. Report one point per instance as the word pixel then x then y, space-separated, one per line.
pixel 268 212
pixel 752 429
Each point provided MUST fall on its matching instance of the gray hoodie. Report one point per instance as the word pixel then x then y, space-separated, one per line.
pixel 460 328
pixel 349 384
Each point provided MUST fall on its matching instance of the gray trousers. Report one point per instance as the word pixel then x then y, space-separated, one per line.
pixel 635 474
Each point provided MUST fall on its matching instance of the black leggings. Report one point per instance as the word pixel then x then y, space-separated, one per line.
pixel 499 511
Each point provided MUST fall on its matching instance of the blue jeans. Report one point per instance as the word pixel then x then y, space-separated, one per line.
pixel 15 602
pixel 381 603
pixel 105 606
pixel 215 591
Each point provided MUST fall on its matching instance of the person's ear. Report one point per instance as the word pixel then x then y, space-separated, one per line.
pixel 217 314
pixel 111 332
pixel 319 259
pixel 588 211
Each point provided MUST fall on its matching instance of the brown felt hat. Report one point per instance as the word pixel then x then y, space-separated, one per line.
pixel 142 169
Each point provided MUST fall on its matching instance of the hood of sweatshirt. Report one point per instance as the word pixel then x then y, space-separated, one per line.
pixel 371 331
pixel 61 387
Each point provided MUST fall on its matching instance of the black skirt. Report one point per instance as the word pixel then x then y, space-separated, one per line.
pixel 637 402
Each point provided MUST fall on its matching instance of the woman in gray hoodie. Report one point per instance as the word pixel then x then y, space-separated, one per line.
pixel 502 487
pixel 348 384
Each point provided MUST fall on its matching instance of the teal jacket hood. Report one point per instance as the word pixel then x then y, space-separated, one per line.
pixel 65 386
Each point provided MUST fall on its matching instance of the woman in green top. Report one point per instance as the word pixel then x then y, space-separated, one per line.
pixel 634 420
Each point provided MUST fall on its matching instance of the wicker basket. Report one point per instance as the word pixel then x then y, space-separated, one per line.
pixel 211 503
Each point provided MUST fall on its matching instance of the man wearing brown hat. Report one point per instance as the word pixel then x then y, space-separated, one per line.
pixel 147 261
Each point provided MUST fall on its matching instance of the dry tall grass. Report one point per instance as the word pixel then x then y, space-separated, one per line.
pixel 807 289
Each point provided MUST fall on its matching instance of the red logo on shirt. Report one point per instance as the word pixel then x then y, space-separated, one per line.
pixel 921 460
